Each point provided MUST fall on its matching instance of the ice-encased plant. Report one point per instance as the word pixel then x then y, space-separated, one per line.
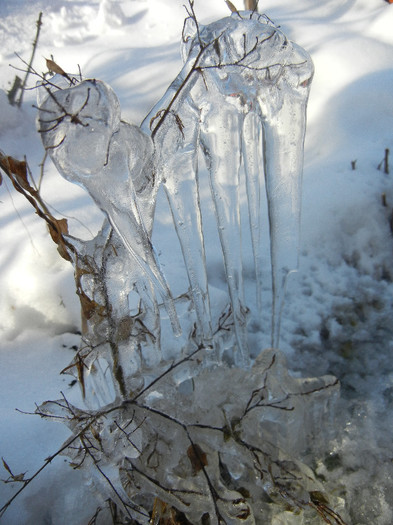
pixel 180 425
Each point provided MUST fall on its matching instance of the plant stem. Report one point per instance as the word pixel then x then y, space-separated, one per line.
pixel 39 24
pixel 386 162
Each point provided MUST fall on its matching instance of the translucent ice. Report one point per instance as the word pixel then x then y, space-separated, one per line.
pixel 178 437
pixel 254 82
pixel 230 461
pixel 245 87
pixel 242 97
pixel 81 128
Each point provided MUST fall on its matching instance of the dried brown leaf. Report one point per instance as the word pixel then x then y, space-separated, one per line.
pixel 164 514
pixel 19 169
pixel 250 5
pixel 318 497
pixel 18 173
pixel 57 228
pixel 81 375
pixel 79 365
pixel 197 457
pixel 13 477
pixel 231 6
pixel 7 468
pixel 89 306
pixel 55 68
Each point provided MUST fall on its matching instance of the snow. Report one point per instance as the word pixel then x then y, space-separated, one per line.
pixel 337 314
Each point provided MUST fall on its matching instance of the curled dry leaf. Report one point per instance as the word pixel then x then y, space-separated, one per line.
pixel 58 227
pixel 89 306
pixel 79 365
pixel 250 5
pixel 7 468
pixel 55 68
pixel 19 169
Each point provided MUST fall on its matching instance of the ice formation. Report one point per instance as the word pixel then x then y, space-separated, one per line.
pixel 91 147
pixel 181 432
pixel 246 89
pixel 241 96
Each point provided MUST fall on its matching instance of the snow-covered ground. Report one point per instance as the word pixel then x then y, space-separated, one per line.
pixel 337 317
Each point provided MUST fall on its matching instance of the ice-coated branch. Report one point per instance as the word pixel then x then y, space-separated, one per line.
pixel 202 472
pixel 188 429
pixel 91 147
pixel 251 92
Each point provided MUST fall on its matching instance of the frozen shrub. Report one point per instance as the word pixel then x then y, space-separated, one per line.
pixel 180 425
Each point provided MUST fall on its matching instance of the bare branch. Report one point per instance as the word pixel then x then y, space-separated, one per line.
pixel 30 64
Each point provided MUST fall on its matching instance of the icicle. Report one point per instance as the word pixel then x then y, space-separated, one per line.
pixel 176 139
pixel 283 106
pixel 222 148
pixel 253 165
pixel 254 63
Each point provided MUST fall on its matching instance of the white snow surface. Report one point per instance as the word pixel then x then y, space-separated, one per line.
pixel 337 315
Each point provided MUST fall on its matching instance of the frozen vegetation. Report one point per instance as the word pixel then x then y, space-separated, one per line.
pixel 182 414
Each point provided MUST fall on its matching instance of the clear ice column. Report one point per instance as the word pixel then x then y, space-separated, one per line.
pixel 284 125
pixel 221 143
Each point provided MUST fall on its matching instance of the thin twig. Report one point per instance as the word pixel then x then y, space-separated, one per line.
pixel 29 66
pixel 46 463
